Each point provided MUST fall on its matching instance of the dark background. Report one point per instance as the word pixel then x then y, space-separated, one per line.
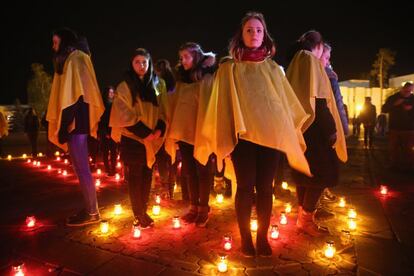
pixel 356 31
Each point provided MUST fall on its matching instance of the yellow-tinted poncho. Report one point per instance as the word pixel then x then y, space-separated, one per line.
pixel 4 128
pixel 78 79
pixel 253 101
pixel 187 109
pixel 310 81
pixel 124 114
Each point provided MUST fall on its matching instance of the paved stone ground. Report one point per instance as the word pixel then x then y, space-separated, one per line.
pixel 381 245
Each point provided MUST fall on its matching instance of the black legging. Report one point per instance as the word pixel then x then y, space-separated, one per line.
pixel 308 197
pixel 109 147
pixel 198 177
pixel 255 166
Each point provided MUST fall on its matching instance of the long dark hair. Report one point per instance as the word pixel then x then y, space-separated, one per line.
pixel 203 63
pixel 69 41
pixel 164 71
pixel 144 88
pixel 307 41
pixel 237 46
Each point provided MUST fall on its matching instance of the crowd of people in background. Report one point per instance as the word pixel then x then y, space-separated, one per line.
pixel 242 112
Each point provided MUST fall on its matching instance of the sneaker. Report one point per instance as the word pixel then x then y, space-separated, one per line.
pixel 83 218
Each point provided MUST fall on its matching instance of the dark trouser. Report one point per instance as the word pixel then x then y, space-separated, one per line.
pixel 368 135
pixel 308 197
pixel 401 147
pixel 254 166
pixel 139 175
pixel 198 177
pixel 165 168
pixel 109 150
pixel 33 142
pixel 78 151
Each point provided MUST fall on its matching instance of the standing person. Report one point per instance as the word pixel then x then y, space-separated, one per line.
pixel 75 107
pixel 4 130
pixel 192 93
pixel 107 145
pixel 31 127
pixel 253 115
pixel 333 78
pixel 400 108
pixel 138 123
pixel 323 131
pixel 368 117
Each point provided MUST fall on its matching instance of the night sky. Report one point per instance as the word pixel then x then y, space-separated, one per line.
pixel 355 30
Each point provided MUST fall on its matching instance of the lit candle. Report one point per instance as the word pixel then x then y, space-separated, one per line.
pixel 227 242
pixel 352 224
pixel 157 198
pixel 117 209
pixel 330 249
pixel 117 177
pixel 57 153
pixel 288 208
pixel 118 157
pixel 156 209
pixel 65 173
pixel 342 202
pixel 40 154
pixel 24 155
pixel 383 190
pixel 136 231
pixel 98 171
pixel 29 160
pixel 9 157
pixel 49 167
pixel 66 161
pixel 352 213
pixel 176 222
pixel 98 182
pixel 283 218
pixel 175 187
pixel 58 158
pixel 59 171
pixel 118 165
pixel 30 221
pixel 253 224
pixel 285 185
pixel 18 269
pixel 274 232
pixel 222 265
pixel 104 226
pixel 90 159
pixel 38 163
pixel 219 198
pixel 34 163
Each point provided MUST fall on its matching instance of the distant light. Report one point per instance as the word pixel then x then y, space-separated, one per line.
pixel 219 198
pixel 176 222
pixel 383 190
pixel 342 202
pixel 104 226
pixel 156 209
pixel 283 218
pixel 118 165
pixel 157 198
pixel 352 213
pixel 49 167
pixel 274 232
pixel 98 171
pixel 253 224
pixel 117 177
pixel 30 221
pixel 40 154
pixel 118 209
pixel 136 231
pixel 98 183
pixel 288 208
pixel 222 265
pixel 330 249
pixel 9 157
pixel 65 173
pixel 24 155
pixel 57 153
pixel 285 185
pixel 227 242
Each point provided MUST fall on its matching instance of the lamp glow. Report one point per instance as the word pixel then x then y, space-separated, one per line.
pixel 117 177
pixel 352 225
pixel 24 155
pixel 30 221
pixel 253 224
pixel 118 165
pixel 117 209
pixel 29 160
pixel 59 171
pixel 57 153
pixel 274 232
pixel 285 185
pixel 352 213
pixel 38 163
pixel 383 190
pixel 65 173
pixel 58 158
pixel 283 218
pixel 330 249
pixel 98 171
pixel 219 198
pixel 176 222
pixel 227 242
pixel 157 198
pixel 40 154
pixel 49 167
pixel 97 182
pixel 66 161
pixel 9 157
pixel 288 208
pixel 18 269
pixel 222 265
pixel 136 231
pixel 104 226
pixel 156 210
pixel 342 202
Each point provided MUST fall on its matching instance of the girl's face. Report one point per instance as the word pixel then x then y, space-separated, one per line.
pixel 56 43
pixel 111 94
pixel 186 59
pixel 325 57
pixel 140 65
pixel 253 33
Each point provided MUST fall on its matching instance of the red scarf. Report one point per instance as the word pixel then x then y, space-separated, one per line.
pixel 254 54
